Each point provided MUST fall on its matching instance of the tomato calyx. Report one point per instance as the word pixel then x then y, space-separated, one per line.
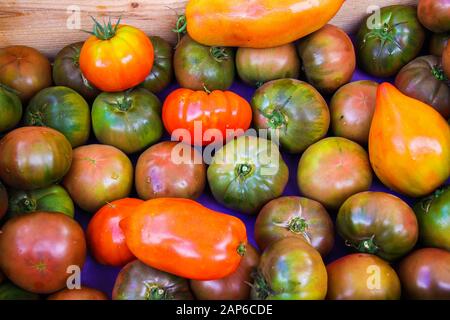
pixel 297 225
pixel 36 117
pixel 261 287
pixel 241 249
pixel 384 33
pixel 27 205
pixel 155 292
pixel 105 31
pixel 428 201
pixel 276 119
pixel 438 73
pixel 365 246
pixel 244 170
pixel 219 54
pixel 122 104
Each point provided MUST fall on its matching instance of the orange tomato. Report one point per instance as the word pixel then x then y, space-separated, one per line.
pixel 409 143
pixel 104 236
pixel 256 23
pixel 116 58
pixel 182 237
pixel 219 110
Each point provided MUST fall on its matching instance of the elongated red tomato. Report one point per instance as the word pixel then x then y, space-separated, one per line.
pixel 197 112
pixel 182 237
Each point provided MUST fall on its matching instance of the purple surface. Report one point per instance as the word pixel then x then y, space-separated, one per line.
pixel 102 277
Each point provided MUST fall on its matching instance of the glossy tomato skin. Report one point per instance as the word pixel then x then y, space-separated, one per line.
pixel 446 60
pixel 10 109
pixel 378 223
pixel 362 276
pixel 219 110
pixel 293 111
pixel 25 70
pixel 182 237
pixel 162 71
pixel 298 218
pixel 423 79
pixel 9 291
pixel 290 270
pixel 67 73
pixel 137 281
pixel 258 66
pixel 62 109
pixel 433 215
pixel 3 201
pixel 84 293
pixel 409 143
pixel 233 287
pixel 384 49
pixel 262 24
pixel 247 173
pixel 160 175
pixel 434 15
pixel 51 199
pixel 99 174
pixel 333 169
pixel 438 42
pixel 328 58
pixel 119 63
pixel 34 157
pixel 104 236
pixel 38 247
pixel 130 120
pixel 198 66
pixel 352 108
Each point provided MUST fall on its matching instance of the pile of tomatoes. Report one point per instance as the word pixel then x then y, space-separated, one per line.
pixel 168 246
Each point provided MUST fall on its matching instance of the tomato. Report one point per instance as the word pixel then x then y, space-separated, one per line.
pixel 290 270
pixel 62 109
pixel 99 174
pixel 409 143
pixel 233 287
pixel 67 73
pixel 438 42
pixel 293 111
pixel 182 237
pixel 384 48
pixel 3 202
pixel 352 108
pixel 219 110
pixel 298 218
pixel 8 291
pixel 51 199
pixel 84 293
pixel 433 214
pixel 332 170
pixel 137 281
pixel 378 223
pixel 170 170
pixel 328 58
pixel 10 109
pixel 130 120
pixel 256 24
pixel 105 239
pixel 38 247
pixel 362 276
pixel 25 70
pixel 258 66
pixel 446 60
pixel 425 275
pixel 247 173
pixel 423 79
pixel 162 72
pixel 34 157
pixel 116 57
pixel 198 66
pixel 434 14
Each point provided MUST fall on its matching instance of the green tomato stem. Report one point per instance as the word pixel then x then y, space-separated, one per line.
pixel 243 170
pixel 155 292
pixel 438 73
pixel 261 287
pixel 105 31
pixel 28 205
pixel 297 225
pixel 219 54
pixel 241 249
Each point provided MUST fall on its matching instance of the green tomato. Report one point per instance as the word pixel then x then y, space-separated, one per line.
pixel 10 109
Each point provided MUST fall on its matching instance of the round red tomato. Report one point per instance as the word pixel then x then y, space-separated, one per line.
pixel 105 239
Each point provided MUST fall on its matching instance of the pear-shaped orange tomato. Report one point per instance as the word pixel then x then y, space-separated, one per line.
pixel 409 143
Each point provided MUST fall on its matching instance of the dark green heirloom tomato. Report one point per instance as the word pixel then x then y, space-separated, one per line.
pixel 384 47
pixel 293 111
pixel 162 71
pixel 9 291
pixel 425 274
pixel 137 281
pixel 438 42
pixel 66 72
pixel 423 79
pixel 378 223
pixel 62 109
pixel 129 120
pixel 362 276
pixel 433 214
pixel 247 173
pixel 3 200
pixel 290 270
pixel 295 217
pixel 10 109
pixel 52 199
pixel 198 66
